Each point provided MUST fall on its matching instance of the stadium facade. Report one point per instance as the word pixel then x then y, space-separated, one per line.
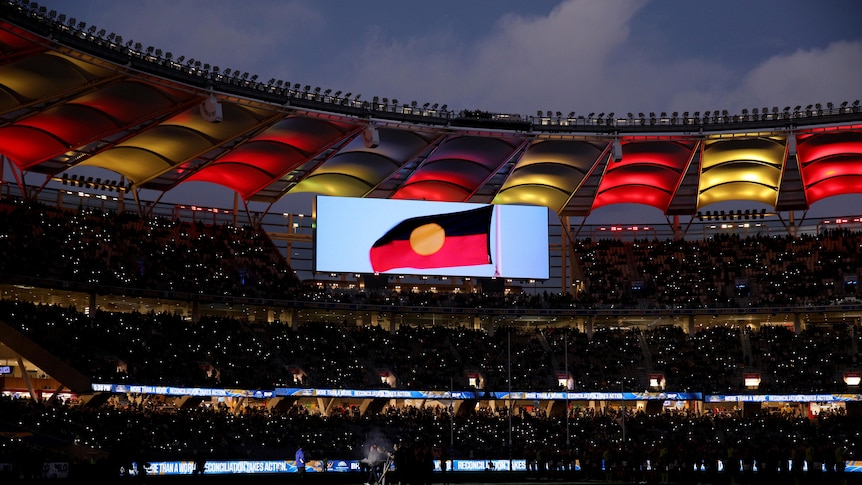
pixel 90 116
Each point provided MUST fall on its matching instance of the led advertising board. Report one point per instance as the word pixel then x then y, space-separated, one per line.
pixel 383 236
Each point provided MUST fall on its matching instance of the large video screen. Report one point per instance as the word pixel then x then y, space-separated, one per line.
pixel 356 235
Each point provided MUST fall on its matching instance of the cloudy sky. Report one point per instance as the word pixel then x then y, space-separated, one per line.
pixel 517 56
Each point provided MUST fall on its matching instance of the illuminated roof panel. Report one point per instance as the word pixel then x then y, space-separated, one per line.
pixel 548 173
pixel 464 161
pixel 831 163
pixel 52 132
pixel 73 99
pixel 648 173
pixel 270 155
pixel 131 101
pixel 38 77
pixel 741 169
pixel 434 190
pixel 357 168
pixel 250 166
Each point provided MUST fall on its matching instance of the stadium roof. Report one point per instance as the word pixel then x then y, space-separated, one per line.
pixel 74 96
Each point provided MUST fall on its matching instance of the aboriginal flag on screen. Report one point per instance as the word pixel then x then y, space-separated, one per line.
pixel 436 241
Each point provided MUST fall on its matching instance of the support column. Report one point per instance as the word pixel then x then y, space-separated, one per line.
pixel 589 328
pixel 456 405
pixel 196 311
pixel 92 306
pixel 487 324
pixel 26 377
pixel 691 329
pixel 235 207
pixel 580 325
pixel 797 323
pixel 324 406
pixel 293 318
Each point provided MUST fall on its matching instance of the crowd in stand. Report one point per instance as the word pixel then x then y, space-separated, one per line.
pixel 125 250
pixel 620 444
pixel 725 270
pixel 167 349
pixel 170 349
pixel 128 251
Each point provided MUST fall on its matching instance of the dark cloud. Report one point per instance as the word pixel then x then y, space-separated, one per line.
pixel 804 77
pixel 505 56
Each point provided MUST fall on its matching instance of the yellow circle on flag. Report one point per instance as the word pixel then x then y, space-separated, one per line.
pixel 427 239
